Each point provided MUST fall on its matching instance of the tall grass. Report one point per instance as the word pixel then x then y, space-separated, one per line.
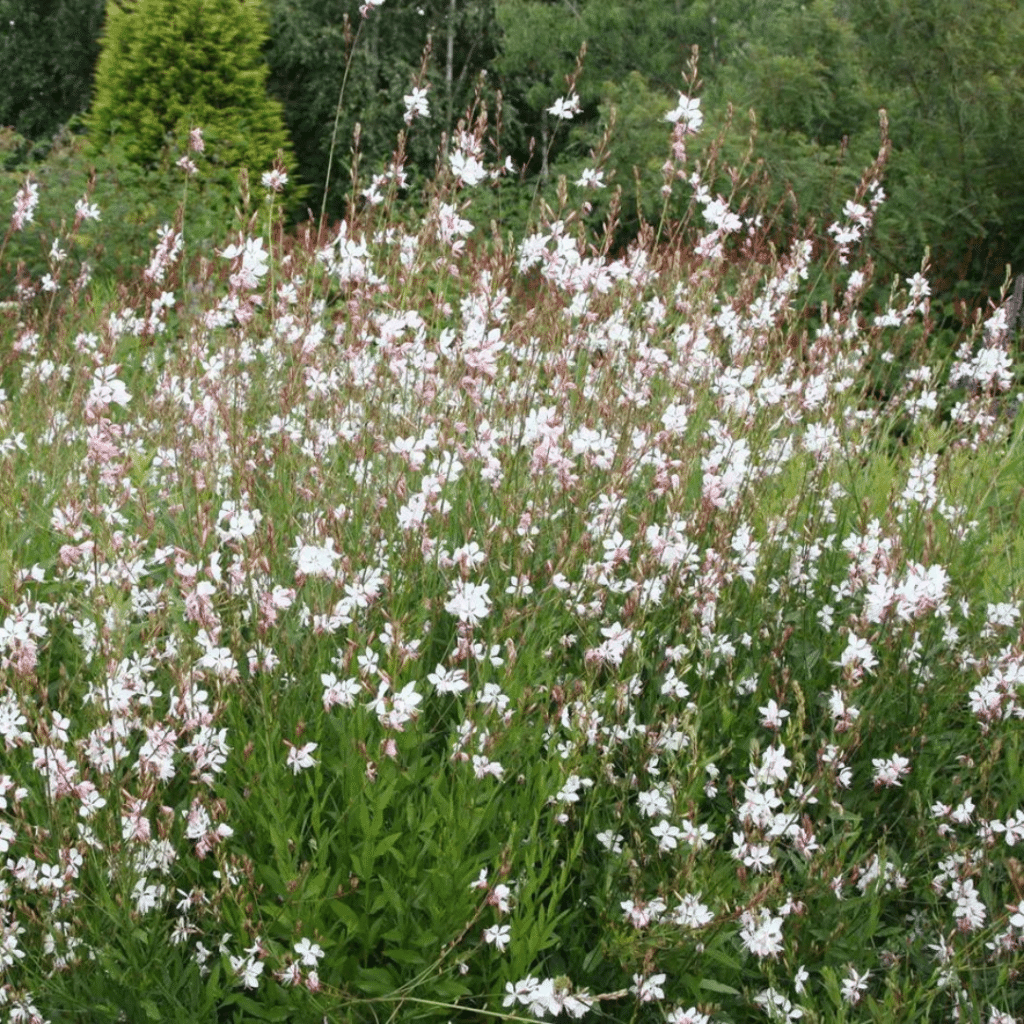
pixel 422 625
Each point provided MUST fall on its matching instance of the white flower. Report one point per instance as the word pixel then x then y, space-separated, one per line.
pixel 799 980
pixel 91 803
pixel 406 701
pixel 310 952
pixel 311 560
pixel 565 107
pixel 450 226
pixel 25 203
pixel 255 263
pixel 219 660
pixel 610 841
pixel 690 1016
pixel 666 834
pixel 274 179
pixel 147 897
pixel 691 913
pixel 300 757
pixel 248 970
pixel 969 909
pixel 652 802
pixel 648 989
pixel 859 654
pixel 87 210
pixel 675 418
pixel 762 935
pixel 482 766
pixel 640 915
pixel 687 113
pixel 889 773
pixel 448 680
pixel 772 715
pixel 416 105
pixel 107 388
pixel 999 1017
pixel 717 212
pixel 498 935
pixel 519 586
pixel 468 602
pixel 522 991
pixel 698 836
pixel 467 168
pixel 51 877
pixel 343 692
pixel 854 985
pixel 778 1007
pixel 498 897
pixel 590 178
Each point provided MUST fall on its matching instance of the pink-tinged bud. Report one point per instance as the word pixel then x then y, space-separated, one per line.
pixel 25 204
pixel 70 554
pixel 275 179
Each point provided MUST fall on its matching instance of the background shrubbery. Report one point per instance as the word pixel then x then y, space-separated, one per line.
pixel 814 73
pixel 136 201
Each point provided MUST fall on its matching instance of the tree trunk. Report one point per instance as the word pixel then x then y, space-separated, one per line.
pixel 449 64
pixel 544 145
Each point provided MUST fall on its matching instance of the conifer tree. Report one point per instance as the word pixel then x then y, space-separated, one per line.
pixel 167 66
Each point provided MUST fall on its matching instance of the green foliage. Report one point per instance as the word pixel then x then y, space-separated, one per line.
pixel 633 116
pixel 953 80
pixel 541 39
pixel 638 48
pixel 135 201
pixel 949 77
pixel 539 43
pixel 331 66
pixel 815 74
pixel 48 50
pixel 168 66
pixel 798 66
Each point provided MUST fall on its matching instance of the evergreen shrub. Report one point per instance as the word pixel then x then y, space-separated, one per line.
pixel 168 66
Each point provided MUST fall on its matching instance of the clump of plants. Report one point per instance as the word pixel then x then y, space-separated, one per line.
pixel 401 623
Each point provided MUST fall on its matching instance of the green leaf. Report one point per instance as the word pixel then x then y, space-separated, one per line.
pixel 364 818
pixel 386 845
pixel 346 915
pixel 375 981
pixel 450 989
pixel 165 41
pixel 392 896
pixel 717 986
pixel 405 956
pixel 271 877
pixel 315 886
pixel 258 1010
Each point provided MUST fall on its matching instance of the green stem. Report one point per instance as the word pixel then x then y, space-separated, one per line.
pixel 334 133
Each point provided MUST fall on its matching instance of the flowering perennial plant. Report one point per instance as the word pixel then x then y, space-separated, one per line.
pixel 429 626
